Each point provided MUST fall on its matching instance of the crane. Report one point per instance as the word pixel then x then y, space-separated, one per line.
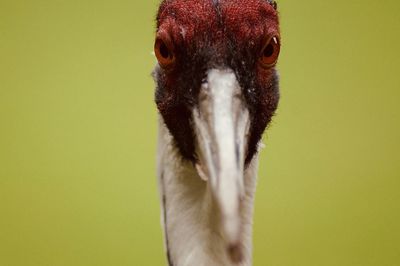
pixel 217 89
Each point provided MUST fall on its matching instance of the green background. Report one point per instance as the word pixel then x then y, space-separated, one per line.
pixel 78 136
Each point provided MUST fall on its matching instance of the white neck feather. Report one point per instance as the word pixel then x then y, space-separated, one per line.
pixel 190 218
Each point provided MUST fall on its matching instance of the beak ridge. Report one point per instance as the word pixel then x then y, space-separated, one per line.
pixel 222 124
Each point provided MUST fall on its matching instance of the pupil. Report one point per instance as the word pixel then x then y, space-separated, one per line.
pixel 164 50
pixel 269 50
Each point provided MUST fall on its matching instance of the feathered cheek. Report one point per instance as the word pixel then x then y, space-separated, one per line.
pixel 265 76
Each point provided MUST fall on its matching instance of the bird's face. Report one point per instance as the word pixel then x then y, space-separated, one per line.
pixel 217 87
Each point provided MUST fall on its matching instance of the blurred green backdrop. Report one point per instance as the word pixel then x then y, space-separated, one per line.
pixel 78 134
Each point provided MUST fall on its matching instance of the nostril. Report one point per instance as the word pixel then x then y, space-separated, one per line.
pixel 237 153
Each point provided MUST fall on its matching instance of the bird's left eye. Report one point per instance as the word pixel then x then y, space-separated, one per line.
pixel 270 52
pixel 164 53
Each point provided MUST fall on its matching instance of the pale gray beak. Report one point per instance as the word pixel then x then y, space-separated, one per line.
pixel 221 122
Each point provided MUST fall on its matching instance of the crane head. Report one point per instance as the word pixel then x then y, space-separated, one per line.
pixel 217 90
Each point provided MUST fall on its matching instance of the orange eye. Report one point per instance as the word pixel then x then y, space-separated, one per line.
pixel 164 53
pixel 270 52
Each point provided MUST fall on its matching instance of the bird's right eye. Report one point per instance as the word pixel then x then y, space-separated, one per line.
pixel 164 53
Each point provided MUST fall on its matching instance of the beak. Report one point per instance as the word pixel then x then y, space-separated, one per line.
pixel 221 122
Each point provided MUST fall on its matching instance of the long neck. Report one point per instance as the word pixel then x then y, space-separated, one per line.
pixel 190 216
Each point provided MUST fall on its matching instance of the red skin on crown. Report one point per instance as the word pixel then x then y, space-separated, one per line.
pixel 186 20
